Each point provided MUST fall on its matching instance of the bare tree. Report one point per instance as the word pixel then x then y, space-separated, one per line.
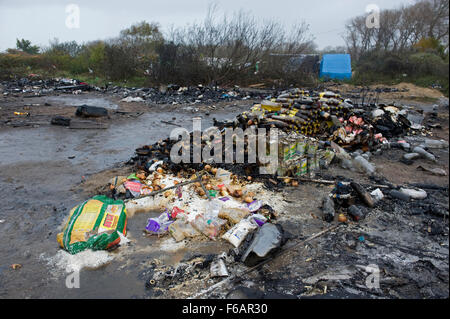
pixel 230 47
pixel 400 29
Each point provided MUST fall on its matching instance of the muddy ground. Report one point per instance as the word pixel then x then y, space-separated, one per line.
pixel 46 170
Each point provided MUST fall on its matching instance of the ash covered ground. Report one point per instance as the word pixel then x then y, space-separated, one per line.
pixel 46 170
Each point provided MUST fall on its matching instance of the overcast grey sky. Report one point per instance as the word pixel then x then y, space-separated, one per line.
pixel 41 21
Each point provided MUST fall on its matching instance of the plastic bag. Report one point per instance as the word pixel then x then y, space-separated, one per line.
pixel 181 229
pixel 233 214
pixel 210 227
pixel 159 225
pixel 94 225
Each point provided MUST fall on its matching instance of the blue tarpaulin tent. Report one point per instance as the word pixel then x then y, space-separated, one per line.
pixel 336 66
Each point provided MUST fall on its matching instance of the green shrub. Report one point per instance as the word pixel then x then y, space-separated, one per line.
pixel 428 64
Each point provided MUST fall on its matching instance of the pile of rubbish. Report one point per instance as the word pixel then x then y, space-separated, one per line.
pixel 169 94
pixel 175 94
pixel 328 116
pixel 220 200
pixel 214 203
pixel 33 86
pixel 258 246
pixel 313 130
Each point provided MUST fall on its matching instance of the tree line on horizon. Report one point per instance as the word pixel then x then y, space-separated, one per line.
pixel 410 43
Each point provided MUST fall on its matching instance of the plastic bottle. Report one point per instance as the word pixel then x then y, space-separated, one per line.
pixel 405 146
pixel 424 153
pixel 363 165
pixel 342 156
pixel 400 145
pixel 399 195
pixel 363 194
pixel 415 194
pixel 239 231
pixel 355 212
pixel 411 156
pixel 328 209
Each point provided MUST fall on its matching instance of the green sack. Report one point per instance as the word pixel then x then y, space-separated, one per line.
pixel 94 225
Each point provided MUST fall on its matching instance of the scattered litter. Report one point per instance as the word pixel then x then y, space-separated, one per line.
pixel 328 209
pixel 159 225
pixel 424 153
pixel 411 156
pixel 239 231
pixel 377 195
pixel 434 171
pixel 399 195
pixel 132 99
pixel 355 212
pixel 414 194
pixel 218 269
pixel 91 111
pixel 267 239
pixel 60 120
pixel 237 204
